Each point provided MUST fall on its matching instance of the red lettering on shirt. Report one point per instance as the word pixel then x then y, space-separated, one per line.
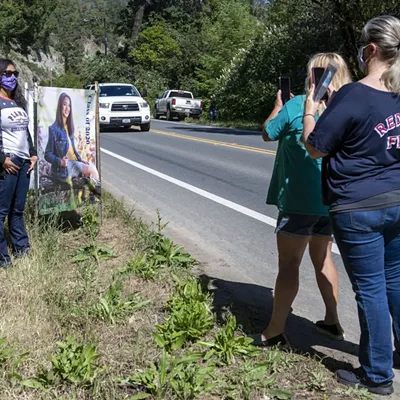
pixel 380 128
pixel 390 123
pixel 393 141
pixel 397 119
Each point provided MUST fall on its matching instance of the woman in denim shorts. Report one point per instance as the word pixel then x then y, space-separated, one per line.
pixel 295 188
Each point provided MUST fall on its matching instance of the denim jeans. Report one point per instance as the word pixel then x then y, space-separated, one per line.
pixel 13 192
pixel 369 242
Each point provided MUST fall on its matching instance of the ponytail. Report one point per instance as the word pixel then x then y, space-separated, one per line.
pixel 384 32
pixel 391 77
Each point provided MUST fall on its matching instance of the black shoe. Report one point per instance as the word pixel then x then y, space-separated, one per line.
pixel 396 359
pixel 333 331
pixel 350 379
pixel 279 340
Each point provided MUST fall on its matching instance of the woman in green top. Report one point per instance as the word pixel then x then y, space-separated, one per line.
pixel 295 188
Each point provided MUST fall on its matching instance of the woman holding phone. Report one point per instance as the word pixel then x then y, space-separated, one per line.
pixel 359 138
pixel 295 188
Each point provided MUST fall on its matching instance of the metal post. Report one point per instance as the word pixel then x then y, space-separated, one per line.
pixel 35 140
pixel 27 94
pixel 105 37
pixel 98 151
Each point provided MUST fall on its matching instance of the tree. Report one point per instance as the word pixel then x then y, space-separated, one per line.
pixel 156 48
pixel 106 69
pixel 12 23
pixel 227 27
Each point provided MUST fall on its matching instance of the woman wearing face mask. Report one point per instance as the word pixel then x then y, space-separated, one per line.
pixel 359 136
pixel 61 153
pixel 17 159
pixel 295 188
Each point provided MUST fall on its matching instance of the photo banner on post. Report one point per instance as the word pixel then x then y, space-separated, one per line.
pixel 68 166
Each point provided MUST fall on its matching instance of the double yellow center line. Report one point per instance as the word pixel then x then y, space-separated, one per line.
pixel 215 142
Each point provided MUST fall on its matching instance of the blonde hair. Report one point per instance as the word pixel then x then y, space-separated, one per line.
pixel 341 78
pixel 384 32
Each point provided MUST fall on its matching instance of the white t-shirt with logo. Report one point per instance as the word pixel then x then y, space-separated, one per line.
pixel 14 129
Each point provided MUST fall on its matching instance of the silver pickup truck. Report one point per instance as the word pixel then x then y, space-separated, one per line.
pixel 177 104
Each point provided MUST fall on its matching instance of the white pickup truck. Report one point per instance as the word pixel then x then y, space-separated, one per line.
pixel 179 104
pixel 121 105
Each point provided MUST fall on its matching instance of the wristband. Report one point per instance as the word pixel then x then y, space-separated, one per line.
pixel 311 115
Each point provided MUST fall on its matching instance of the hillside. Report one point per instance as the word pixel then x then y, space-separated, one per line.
pixel 233 49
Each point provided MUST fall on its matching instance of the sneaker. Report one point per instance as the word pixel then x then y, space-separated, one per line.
pixel 279 340
pixel 335 331
pixel 350 379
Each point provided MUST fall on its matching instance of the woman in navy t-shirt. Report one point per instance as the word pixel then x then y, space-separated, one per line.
pixel 359 137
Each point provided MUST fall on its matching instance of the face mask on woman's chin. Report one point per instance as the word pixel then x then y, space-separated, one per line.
pixel 363 65
pixel 9 83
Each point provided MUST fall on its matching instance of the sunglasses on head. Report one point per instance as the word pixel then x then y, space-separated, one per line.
pixel 8 74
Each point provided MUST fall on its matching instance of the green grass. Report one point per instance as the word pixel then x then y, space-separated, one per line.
pixel 131 322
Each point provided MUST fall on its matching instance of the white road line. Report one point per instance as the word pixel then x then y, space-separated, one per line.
pixel 220 200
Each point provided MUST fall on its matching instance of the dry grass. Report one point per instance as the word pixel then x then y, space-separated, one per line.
pixel 40 296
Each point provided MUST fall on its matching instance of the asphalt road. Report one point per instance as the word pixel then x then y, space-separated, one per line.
pixel 211 184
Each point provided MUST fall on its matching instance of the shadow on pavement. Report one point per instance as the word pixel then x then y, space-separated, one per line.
pixel 252 307
pixel 216 129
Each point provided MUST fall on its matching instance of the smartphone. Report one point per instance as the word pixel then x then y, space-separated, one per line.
pixel 317 73
pixel 323 84
pixel 284 86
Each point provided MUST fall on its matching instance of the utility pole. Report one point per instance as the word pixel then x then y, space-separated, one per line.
pixel 105 37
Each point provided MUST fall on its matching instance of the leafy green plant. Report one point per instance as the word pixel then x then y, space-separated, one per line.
pixel 141 265
pixel 180 375
pixel 90 221
pixel 172 255
pixel 6 351
pixel 253 377
pixel 74 363
pixel 10 360
pixel 190 316
pixel 150 238
pixel 227 345
pixel 87 273
pixel 113 308
pixel 94 251
pixel 188 290
pixel 317 381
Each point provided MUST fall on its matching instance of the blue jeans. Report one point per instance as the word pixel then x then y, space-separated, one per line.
pixel 369 242
pixel 13 191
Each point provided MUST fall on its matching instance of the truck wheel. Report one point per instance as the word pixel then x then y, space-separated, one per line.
pixel 155 114
pixel 145 127
pixel 169 115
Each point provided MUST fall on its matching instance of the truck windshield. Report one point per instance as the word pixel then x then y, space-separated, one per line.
pixel 185 95
pixel 118 90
